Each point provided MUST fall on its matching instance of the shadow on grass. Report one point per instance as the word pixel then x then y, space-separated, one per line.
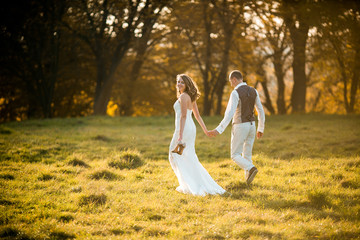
pixel 12 233
pixel 60 235
pixel 7 176
pixel 5 202
pixel 344 235
pixel 155 232
pixel 317 204
pixel 250 233
pixel 66 218
pixel 117 232
pixel 29 154
pixel 101 138
pixel 213 237
pixel 350 184
pixel 5 130
pixel 36 155
pixel 340 234
pixel 155 217
pixel 236 190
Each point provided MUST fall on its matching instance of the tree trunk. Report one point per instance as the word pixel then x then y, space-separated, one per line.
pixel 317 99
pixel 207 105
pixel 296 17
pixel 46 54
pixel 343 75
pixel 229 20
pixel 104 93
pixel 354 80
pixel 299 37
pixel 344 80
pixel 54 68
pixel 100 76
pixel 207 102
pixel 103 97
pixel 222 77
pixel 142 46
pixel 127 108
pixel 280 101
pixel 268 104
pixel 106 79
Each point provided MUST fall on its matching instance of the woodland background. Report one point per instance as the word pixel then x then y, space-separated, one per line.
pixel 120 58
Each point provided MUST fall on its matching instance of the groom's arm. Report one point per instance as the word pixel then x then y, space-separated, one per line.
pixel 261 114
pixel 229 113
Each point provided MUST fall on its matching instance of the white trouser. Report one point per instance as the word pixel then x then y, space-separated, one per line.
pixel 242 141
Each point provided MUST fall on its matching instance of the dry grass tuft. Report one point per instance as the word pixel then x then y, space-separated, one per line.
pixel 129 159
pixel 93 199
pixel 77 163
pixel 104 174
pixel 46 177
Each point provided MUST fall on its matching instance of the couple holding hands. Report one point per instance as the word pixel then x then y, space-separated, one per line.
pixel 192 176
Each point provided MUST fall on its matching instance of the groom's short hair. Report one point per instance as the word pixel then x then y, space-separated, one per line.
pixel 236 74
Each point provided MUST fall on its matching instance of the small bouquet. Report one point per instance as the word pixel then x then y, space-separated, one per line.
pixel 179 148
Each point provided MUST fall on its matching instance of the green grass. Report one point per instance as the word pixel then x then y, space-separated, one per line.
pixel 109 178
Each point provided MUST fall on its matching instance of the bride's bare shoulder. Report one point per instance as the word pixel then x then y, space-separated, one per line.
pixel 185 97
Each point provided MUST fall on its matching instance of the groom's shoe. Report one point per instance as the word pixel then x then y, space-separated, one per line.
pixel 252 173
pixel 246 174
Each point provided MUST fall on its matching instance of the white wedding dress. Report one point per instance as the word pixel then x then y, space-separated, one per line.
pixel 192 176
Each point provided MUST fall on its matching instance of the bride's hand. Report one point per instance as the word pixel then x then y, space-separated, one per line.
pixel 207 133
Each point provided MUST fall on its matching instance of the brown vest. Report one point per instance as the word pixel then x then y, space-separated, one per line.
pixel 245 109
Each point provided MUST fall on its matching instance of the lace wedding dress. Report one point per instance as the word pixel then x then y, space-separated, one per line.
pixel 192 176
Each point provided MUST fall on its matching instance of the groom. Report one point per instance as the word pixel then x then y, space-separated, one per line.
pixel 240 109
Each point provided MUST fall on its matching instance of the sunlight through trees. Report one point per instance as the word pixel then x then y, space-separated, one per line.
pixel 76 58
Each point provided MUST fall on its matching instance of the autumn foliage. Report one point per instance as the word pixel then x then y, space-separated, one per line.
pixel 77 58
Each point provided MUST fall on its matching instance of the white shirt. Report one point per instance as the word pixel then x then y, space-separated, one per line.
pixel 231 108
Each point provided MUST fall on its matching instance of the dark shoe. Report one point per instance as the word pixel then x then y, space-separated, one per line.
pixel 179 148
pixel 252 173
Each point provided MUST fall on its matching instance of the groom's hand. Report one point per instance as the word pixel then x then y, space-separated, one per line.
pixel 259 135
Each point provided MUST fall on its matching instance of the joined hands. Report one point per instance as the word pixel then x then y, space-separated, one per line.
pixel 212 133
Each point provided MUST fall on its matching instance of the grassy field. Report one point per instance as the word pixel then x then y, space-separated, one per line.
pixel 73 179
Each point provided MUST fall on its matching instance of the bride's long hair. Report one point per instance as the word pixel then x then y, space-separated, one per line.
pixel 190 87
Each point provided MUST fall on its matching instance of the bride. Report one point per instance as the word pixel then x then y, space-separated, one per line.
pixel 192 176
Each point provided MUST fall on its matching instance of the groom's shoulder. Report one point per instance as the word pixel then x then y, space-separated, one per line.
pixel 248 87
pixel 234 91
pixel 245 89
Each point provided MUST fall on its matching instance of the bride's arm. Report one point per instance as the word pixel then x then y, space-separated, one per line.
pixel 184 101
pixel 199 118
